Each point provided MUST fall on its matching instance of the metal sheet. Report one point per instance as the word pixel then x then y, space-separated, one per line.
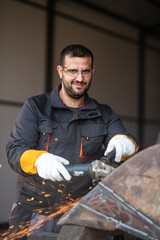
pixel 128 199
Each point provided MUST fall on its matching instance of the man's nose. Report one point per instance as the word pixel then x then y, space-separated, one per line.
pixel 80 76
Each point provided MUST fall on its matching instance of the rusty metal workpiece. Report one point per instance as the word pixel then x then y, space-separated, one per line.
pixel 128 199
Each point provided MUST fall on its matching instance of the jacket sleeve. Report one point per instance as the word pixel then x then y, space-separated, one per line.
pixel 115 126
pixel 23 140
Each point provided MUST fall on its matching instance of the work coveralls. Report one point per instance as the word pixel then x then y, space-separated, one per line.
pixel 79 135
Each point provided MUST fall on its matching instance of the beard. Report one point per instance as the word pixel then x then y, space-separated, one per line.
pixel 74 94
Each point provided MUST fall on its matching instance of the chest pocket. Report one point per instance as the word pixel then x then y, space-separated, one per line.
pixel 51 136
pixel 92 139
pixel 45 131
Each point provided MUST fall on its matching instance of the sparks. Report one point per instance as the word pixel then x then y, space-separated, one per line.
pixel 31 199
pixel 47 195
pixel 60 191
pixel 26 228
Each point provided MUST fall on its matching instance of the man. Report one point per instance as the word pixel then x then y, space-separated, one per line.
pixel 54 129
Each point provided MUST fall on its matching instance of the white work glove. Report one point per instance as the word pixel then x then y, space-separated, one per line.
pixel 51 167
pixel 123 145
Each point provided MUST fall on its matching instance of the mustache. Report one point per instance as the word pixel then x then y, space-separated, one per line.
pixel 76 81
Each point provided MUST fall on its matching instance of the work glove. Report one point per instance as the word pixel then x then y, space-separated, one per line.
pixel 51 167
pixel 123 145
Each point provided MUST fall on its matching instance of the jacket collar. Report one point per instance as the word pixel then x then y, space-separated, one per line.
pixel 56 102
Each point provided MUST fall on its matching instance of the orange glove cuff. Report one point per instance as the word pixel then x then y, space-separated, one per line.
pixel 136 148
pixel 28 159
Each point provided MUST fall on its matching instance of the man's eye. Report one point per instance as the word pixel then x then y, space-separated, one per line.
pixel 86 71
pixel 72 70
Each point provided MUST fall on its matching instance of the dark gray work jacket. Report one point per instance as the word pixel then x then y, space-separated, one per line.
pixel 80 136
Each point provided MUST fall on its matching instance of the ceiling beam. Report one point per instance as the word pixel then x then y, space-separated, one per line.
pixel 119 17
pixel 154 2
pixel 105 11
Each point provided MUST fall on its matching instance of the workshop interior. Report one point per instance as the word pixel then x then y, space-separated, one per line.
pixel 124 36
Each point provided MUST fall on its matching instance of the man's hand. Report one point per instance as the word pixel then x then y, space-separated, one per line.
pixel 51 167
pixel 123 145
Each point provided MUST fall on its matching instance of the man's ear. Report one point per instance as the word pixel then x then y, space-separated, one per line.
pixel 60 71
pixel 93 69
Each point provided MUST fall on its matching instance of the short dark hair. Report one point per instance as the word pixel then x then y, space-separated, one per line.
pixel 76 50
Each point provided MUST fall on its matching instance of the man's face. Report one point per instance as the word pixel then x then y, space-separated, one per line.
pixel 76 83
